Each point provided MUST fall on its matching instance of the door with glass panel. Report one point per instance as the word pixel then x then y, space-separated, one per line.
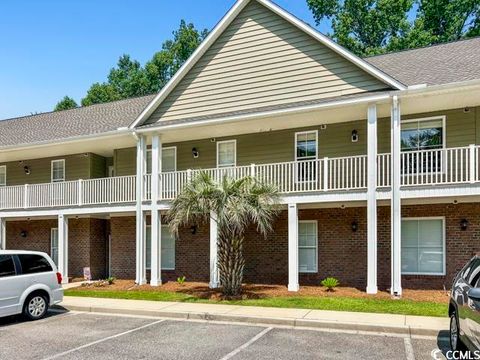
pixel 306 154
pixel 54 245
pixel 168 180
pixel 226 159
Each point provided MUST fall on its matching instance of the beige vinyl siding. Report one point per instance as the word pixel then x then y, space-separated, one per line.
pixel 279 146
pixel 262 60
pixel 98 166
pixel 76 167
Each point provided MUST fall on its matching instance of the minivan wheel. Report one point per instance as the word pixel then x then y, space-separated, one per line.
pixel 454 333
pixel 35 307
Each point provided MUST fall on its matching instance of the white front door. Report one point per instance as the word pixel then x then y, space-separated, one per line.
pixel 54 245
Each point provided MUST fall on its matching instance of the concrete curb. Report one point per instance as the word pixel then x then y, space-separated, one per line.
pixel 261 320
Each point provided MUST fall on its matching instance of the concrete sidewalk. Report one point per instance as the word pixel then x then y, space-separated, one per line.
pixel 387 323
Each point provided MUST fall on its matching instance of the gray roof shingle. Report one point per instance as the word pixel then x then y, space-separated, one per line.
pixel 433 65
pixel 61 125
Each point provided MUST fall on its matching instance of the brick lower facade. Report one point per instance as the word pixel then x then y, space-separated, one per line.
pixel 87 245
pixel 342 253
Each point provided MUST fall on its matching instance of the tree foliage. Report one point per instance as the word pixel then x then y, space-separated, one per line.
pixel 369 27
pixel 65 104
pixel 129 78
pixel 235 204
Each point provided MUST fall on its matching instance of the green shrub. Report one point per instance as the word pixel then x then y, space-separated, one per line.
pixel 330 283
pixel 110 280
pixel 181 280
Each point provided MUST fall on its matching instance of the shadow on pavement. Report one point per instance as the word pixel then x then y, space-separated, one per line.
pixel 19 319
pixel 443 341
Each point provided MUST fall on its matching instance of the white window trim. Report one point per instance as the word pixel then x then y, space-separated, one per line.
pixel 310 247
pixel 174 263
pixel 438 117
pixel 444 244
pixel 234 141
pixel 4 168
pixel 51 170
pixel 296 142
pixel 163 148
pixel 175 151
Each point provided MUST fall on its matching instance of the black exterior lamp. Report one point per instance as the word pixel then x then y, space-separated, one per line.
pixel 354 136
pixel 464 224
pixel 354 226
pixel 195 153
pixel 193 229
pixel 23 233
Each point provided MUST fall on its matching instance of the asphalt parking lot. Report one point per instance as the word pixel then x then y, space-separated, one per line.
pixel 96 336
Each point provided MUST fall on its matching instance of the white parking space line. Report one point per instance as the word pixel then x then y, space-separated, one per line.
pixel 247 344
pixel 102 340
pixel 408 349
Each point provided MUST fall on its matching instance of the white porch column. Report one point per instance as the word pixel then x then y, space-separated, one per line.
pixel 372 200
pixel 156 277
pixel 140 277
pixel 63 247
pixel 396 209
pixel 214 278
pixel 293 248
pixel 3 234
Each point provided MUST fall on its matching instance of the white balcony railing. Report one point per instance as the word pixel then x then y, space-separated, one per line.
pixel 418 168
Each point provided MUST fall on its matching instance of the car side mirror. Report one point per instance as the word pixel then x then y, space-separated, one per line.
pixel 474 294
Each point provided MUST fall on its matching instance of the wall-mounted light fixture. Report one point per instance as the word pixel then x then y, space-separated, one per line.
pixel 354 226
pixel 354 136
pixel 195 153
pixel 27 170
pixel 23 233
pixel 193 229
pixel 464 224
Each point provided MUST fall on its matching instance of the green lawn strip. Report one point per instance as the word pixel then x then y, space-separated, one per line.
pixel 387 306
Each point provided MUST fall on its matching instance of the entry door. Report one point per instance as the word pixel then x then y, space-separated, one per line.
pixel 306 154
pixel 54 245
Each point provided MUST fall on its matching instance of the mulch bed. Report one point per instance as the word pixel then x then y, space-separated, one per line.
pixel 256 291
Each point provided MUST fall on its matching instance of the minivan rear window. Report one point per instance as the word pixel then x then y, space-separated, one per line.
pixel 32 264
pixel 7 267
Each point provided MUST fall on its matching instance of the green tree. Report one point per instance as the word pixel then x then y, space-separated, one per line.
pixel 370 27
pixel 165 63
pixel 100 93
pixel 237 204
pixel 65 104
pixel 128 78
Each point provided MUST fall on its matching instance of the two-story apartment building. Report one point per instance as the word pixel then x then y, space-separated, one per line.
pixel 377 162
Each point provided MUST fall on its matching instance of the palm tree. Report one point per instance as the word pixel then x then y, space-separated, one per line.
pixel 235 204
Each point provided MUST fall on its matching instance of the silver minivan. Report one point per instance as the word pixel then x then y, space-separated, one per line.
pixel 29 283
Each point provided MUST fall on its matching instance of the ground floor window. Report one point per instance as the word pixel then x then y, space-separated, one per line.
pixel 423 246
pixel 54 245
pixel 307 246
pixel 168 248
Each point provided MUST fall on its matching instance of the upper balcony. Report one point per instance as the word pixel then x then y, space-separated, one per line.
pixel 422 169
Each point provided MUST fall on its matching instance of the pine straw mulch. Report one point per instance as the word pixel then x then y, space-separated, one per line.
pixel 257 291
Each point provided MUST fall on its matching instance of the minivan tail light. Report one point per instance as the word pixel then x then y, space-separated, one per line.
pixel 59 278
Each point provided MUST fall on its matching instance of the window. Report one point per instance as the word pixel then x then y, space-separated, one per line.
pixel 58 170
pixel 168 248
pixel 227 153
pixel 3 175
pixel 169 159
pixel 307 246
pixel 305 154
pixel 54 245
pixel 423 246
pixel 422 134
pixel 7 267
pixel 32 264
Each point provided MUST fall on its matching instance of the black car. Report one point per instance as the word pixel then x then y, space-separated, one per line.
pixel 464 309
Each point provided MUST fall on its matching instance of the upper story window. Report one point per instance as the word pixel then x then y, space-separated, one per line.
pixel 169 159
pixel 227 153
pixel 423 134
pixel 58 170
pixel 306 145
pixel 3 175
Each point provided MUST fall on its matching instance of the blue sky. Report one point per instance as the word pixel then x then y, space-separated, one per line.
pixel 53 48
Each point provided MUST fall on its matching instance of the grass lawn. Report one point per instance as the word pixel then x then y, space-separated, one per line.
pixel 373 305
